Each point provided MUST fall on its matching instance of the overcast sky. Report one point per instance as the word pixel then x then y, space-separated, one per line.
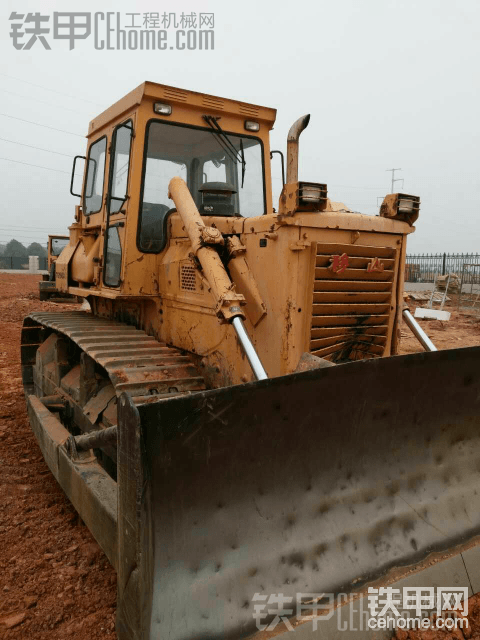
pixel 387 83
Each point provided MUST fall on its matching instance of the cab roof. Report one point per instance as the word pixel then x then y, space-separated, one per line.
pixel 172 96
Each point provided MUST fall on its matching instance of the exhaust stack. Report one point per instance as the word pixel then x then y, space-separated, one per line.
pixel 292 147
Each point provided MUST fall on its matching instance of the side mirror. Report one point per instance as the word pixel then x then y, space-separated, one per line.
pixel 78 195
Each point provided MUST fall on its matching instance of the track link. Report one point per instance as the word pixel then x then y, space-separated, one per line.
pixel 135 362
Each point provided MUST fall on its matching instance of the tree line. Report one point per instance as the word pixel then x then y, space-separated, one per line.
pixel 15 249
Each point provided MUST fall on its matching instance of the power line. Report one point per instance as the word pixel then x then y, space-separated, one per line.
pixel 32 238
pixel 29 238
pixel 7 227
pixel 346 186
pixel 7 239
pixel 60 93
pixel 4 234
pixel 39 166
pixel 35 234
pixel 41 125
pixel 67 155
pixel 25 241
pixel 49 104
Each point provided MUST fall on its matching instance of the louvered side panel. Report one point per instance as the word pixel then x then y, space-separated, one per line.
pixel 352 301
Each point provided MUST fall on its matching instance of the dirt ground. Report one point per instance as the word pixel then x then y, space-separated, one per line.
pixel 472 631
pixel 55 582
pixel 461 330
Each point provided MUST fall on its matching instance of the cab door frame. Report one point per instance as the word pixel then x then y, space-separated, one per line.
pixel 117 219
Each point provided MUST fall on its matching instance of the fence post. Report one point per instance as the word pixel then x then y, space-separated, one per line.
pixel 33 264
pixel 444 262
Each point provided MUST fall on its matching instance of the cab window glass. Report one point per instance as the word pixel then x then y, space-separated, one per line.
pixel 156 203
pixel 113 260
pixel 95 176
pixel 121 163
pixel 224 178
pixel 58 245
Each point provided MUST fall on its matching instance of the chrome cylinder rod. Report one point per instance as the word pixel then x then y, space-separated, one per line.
pixel 249 349
pixel 418 332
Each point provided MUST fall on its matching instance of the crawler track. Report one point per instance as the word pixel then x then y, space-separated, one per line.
pixel 82 363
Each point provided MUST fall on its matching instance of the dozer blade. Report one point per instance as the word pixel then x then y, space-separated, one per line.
pixel 315 482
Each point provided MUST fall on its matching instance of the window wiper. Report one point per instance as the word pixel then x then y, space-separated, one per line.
pixel 227 144
pixel 222 139
pixel 242 155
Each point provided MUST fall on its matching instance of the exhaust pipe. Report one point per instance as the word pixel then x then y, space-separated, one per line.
pixel 292 147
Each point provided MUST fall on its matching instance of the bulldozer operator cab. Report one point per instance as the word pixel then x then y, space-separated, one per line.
pixel 136 147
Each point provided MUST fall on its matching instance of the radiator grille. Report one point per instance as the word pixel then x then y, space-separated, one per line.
pixel 351 306
pixel 188 278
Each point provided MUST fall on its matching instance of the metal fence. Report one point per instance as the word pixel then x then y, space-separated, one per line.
pixel 14 262
pixel 469 297
pixel 423 267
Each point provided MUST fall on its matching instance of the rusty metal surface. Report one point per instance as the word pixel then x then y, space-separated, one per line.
pixel 90 489
pixel 135 362
pixel 293 146
pixel 92 440
pixel 85 395
pixel 315 482
pixel 47 286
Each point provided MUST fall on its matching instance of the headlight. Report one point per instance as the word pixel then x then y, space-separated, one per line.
pixel 250 125
pixel 162 109
pixel 404 205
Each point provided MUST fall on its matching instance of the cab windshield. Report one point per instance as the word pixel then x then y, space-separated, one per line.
pixel 199 157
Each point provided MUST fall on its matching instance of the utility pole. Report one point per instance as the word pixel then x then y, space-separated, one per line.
pixel 395 179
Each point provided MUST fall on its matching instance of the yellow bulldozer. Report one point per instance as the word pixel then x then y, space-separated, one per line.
pixel 46 287
pixel 231 419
